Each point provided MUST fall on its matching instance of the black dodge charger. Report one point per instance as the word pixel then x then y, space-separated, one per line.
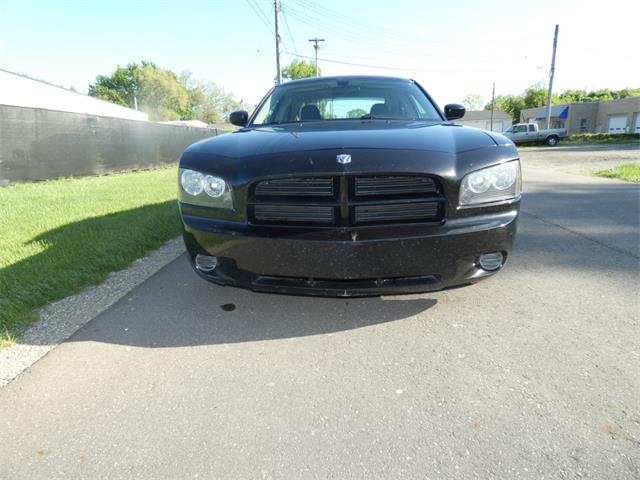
pixel 346 186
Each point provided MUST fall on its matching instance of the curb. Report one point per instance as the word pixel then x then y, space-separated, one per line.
pixel 59 320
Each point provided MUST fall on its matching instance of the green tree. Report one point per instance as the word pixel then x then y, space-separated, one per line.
pixel 472 101
pixel 573 96
pixel 120 87
pixel 535 96
pixel 210 102
pixel 511 104
pixel 157 91
pixel 356 113
pixel 299 69
pixel 162 96
pixel 627 92
pixel 603 94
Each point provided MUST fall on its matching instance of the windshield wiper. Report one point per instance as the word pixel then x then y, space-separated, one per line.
pixel 281 122
pixel 368 116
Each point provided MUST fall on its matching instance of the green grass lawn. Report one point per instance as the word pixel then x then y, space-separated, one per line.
pixel 59 236
pixel 629 172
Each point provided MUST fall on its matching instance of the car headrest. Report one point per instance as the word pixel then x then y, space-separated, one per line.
pixel 310 112
pixel 379 109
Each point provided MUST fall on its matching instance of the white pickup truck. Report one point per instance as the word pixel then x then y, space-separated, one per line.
pixel 528 133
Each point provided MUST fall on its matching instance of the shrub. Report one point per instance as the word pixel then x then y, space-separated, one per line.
pixel 604 138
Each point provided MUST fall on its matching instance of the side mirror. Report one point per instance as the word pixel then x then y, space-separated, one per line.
pixel 239 118
pixel 454 111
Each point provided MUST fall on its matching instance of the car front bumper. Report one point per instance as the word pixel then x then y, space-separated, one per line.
pixel 431 258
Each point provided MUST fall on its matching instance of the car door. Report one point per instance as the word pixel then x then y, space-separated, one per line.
pixel 520 134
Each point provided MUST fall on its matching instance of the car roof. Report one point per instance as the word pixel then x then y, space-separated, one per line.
pixel 343 78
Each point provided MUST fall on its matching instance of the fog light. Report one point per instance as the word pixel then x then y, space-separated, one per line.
pixel 206 263
pixel 491 261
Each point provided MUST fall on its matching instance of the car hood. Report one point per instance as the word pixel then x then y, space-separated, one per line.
pixel 440 149
pixel 376 134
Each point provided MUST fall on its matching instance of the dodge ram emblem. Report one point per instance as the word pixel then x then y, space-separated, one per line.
pixel 343 158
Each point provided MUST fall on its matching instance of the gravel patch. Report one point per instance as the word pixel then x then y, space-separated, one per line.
pixel 59 320
pixel 579 160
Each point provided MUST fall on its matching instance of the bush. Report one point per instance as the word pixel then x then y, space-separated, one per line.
pixel 604 138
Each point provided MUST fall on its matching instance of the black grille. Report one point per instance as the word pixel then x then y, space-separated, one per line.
pixel 396 212
pixel 294 213
pixel 370 186
pixel 345 201
pixel 296 187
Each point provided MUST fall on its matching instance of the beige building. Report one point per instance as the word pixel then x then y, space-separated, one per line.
pixel 614 116
pixel 482 119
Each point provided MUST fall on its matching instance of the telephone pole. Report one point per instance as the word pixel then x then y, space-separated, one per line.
pixel 276 6
pixel 493 102
pixel 551 73
pixel 316 47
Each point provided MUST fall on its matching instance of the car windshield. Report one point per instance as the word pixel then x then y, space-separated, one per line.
pixel 345 99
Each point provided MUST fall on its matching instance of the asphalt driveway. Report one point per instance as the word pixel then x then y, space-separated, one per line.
pixel 534 373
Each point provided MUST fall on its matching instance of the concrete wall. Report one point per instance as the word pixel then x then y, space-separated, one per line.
pixel 37 144
pixel 578 112
pixel 625 106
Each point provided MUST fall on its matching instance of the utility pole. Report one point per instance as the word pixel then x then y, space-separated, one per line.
pixel 276 5
pixel 493 102
pixel 551 73
pixel 316 47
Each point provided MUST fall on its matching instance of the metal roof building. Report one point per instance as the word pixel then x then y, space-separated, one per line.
pixel 21 91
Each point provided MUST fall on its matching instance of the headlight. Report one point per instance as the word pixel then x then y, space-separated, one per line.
pixel 192 182
pixel 204 190
pixel 214 186
pixel 493 184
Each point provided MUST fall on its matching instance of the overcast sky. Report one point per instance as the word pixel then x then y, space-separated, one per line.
pixel 451 47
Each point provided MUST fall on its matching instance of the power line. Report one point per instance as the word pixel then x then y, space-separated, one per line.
pixel 335 23
pixel 334 30
pixel 379 43
pixel 352 22
pixel 265 15
pixel 386 67
pixel 386 48
pixel 341 32
pixel 286 23
pixel 260 15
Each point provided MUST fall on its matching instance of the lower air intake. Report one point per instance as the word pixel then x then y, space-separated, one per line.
pixel 294 214
pixel 402 212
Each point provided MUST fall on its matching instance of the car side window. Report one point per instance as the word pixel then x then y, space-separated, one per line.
pixel 266 112
pixel 532 128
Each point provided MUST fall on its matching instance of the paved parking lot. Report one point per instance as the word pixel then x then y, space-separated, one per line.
pixel 531 374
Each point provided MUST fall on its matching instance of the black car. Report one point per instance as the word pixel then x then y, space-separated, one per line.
pixel 346 186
